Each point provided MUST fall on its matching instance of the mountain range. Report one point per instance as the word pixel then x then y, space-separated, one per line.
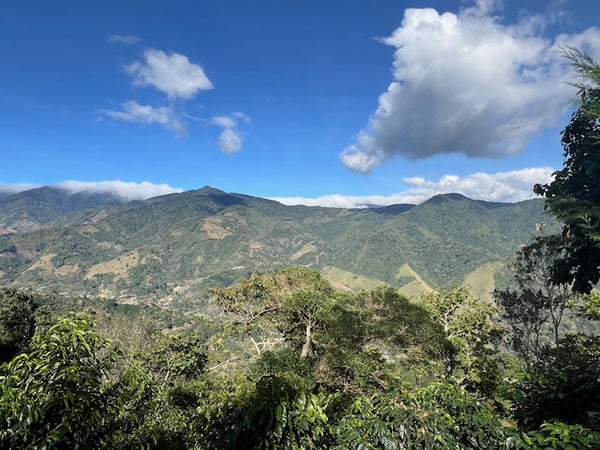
pixel 168 250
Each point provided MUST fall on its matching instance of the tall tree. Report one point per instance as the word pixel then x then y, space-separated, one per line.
pixel 307 309
pixel 273 307
pixel 574 194
pixel 542 299
pixel 534 270
pixel 525 313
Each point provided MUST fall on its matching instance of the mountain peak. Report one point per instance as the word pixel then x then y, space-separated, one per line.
pixel 442 198
pixel 207 190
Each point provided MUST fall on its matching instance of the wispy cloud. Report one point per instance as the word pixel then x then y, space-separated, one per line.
pixel 509 187
pixel 223 121
pixel 15 187
pixel 122 39
pixel 241 117
pixel 125 190
pixel 172 74
pixel 466 83
pixel 146 114
pixel 180 80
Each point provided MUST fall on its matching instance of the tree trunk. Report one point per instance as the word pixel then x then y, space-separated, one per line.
pixel 307 342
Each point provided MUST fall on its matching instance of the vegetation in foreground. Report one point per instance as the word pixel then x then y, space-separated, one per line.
pixel 294 364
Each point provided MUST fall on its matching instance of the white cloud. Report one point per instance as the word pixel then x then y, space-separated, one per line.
pixel 147 114
pixel 240 116
pixel 223 121
pixel 466 83
pixel 122 39
pixel 509 187
pixel 172 74
pixel 125 190
pixel 230 140
pixel 513 186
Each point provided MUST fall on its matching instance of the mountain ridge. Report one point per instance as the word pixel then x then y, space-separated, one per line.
pixel 169 249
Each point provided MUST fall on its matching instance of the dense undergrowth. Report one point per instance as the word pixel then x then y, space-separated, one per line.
pixel 290 363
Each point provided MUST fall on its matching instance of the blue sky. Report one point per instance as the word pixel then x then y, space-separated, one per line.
pixel 337 102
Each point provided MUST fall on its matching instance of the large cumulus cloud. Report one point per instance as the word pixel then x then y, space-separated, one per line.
pixel 467 83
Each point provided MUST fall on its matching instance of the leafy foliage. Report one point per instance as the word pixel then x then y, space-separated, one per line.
pixel 469 327
pixel 438 416
pixel 574 194
pixel 17 322
pixel 567 389
pixel 589 306
pixel 53 396
pixel 274 414
pixel 525 313
pixel 157 395
pixel 178 356
pixel 562 435
pixel 67 391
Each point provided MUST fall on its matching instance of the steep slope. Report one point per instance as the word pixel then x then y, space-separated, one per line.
pixel 348 281
pixel 482 281
pixel 412 285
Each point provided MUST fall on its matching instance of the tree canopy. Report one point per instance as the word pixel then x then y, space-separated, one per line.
pixel 574 194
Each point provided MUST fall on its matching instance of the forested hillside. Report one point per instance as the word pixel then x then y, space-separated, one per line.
pixel 42 207
pixel 172 248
